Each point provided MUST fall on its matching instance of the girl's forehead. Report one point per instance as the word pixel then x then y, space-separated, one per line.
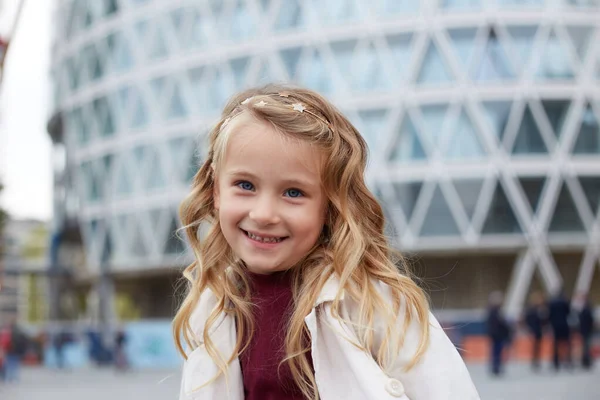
pixel 250 139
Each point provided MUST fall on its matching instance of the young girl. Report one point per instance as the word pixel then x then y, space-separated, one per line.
pixel 295 293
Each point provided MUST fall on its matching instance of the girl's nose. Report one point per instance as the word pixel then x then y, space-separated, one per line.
pixel 264 211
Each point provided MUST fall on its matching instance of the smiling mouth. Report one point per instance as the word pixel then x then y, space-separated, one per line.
pixel 264 239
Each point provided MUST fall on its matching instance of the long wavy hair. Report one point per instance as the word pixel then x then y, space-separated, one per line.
pixel 353 246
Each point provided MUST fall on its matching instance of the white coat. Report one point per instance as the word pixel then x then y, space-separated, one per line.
pixel 342 371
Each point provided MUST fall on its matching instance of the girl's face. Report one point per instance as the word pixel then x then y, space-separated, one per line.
pixel 268 196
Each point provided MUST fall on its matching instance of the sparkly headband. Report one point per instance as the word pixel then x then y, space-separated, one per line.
pixel 298 106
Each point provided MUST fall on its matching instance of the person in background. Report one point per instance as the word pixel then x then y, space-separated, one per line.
pixel 121 362
pixel 17 348
pixel 559 311
pixel 586 330
pixel 535 318
pixel 498 331
pixel 4 343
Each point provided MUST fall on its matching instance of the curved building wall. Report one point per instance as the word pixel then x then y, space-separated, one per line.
pixel 481 116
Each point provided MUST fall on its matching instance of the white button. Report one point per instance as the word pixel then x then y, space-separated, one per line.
pixel 395 387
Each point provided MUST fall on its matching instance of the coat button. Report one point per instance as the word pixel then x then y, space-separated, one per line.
pixel 395 387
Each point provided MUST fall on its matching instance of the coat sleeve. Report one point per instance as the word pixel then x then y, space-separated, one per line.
pixel 440 373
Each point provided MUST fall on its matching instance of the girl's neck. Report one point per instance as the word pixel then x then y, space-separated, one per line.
pixel 260 282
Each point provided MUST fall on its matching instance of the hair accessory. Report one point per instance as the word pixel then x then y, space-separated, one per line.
pixel 298 107
pixel 247 100
pixel 261 103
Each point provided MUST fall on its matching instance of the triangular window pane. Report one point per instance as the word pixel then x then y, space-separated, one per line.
pixel 177 107
pixel 343 52
pixel 529 139
pixel 154 217
pixel 239 67
pixel 368 74
pixel 316 74
pixel 139 157
pixel 158 87
pixel 199 79
pixel 290 16
pixel 460 4
pixel 591 189
pixel 290 58
pixel 243 24
pixel 556 111
pixel 265 73
pixel 464 144
pixel 119 52
pixel 468 190
pixel 588 138
pixel 439 220
pixel 221 87
pixel 501 217
pixel 407 145
pixel 565 218
pixel 494 64
pixel 104 117
pixel 266 5
pixel 373 123
pixel 335 10
pixel 400 50
pixel 158 46
pixel 463 42
pixel 433 69
pixel 434 116
pixel 200 30
pixel 555 62
pixel 521 3
pixel 407 195
pixel 138 248
pixel 156 177
pixel 174 244
pixel 532 187
pixel 107 248
pixel 124 183
pixel 497 113
pixel 140 113
pixel 580 37
pixel 522 38
pixel 179 148
pixel 392 7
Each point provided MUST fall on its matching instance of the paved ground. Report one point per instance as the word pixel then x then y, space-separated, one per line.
pixel 43 384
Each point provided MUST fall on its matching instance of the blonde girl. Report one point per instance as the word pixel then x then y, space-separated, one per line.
pixel 294 292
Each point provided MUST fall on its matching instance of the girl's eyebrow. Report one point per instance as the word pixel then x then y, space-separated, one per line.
pixel 238 173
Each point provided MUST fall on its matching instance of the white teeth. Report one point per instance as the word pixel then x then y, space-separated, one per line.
pixel 262 239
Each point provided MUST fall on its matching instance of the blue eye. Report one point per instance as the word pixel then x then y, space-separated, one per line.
pixel 294 193
pixel 245 185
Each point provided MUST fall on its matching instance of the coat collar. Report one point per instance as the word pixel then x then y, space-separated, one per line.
pixel 329 291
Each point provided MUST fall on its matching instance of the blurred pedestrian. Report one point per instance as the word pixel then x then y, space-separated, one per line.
pixel 121 362
pixel 535 317
pixel 559 311
pixel 17 347
pixel 586 330
pixel 61 339
pixel 498 330
pixel 4 343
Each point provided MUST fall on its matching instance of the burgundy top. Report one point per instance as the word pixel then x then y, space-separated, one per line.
pixel 263 378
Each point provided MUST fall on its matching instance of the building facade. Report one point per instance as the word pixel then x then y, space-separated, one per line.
pixel 482 119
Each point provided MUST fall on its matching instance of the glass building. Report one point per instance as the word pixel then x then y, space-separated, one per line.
pixel 482 119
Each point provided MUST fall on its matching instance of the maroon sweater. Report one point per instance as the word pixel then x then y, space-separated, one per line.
pixel 264 379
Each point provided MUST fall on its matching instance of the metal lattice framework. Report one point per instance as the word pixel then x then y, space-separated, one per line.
pixel 481 116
